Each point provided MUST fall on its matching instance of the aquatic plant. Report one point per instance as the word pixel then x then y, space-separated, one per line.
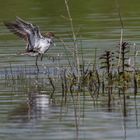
pixel 107 64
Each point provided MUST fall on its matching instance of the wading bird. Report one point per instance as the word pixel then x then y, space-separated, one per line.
pixel 37 43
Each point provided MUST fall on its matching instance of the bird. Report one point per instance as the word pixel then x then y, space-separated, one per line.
pixel 37 43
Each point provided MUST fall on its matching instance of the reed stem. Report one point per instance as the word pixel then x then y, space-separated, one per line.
pixel 74 40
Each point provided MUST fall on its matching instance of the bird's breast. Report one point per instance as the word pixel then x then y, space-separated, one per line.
pixel 43 45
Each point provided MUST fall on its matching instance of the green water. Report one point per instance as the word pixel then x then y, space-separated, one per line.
pixel 97 24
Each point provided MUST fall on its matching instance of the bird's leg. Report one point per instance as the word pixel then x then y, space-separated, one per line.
pixel 37 63
pixel 41 57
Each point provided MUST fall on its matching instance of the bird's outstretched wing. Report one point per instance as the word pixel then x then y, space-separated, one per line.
pixel 25 30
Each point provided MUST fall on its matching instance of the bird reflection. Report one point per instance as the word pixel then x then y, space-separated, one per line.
pixel 36 106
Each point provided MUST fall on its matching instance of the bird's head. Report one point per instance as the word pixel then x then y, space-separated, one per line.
pixel 50 35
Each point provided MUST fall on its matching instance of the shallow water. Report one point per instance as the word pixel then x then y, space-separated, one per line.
pixel 25 116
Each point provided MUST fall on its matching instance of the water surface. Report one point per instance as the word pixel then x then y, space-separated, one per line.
pixel 97 24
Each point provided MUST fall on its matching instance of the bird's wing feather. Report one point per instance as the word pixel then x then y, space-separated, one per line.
pixel 25 30
pixel 14 28
pixel 29 27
